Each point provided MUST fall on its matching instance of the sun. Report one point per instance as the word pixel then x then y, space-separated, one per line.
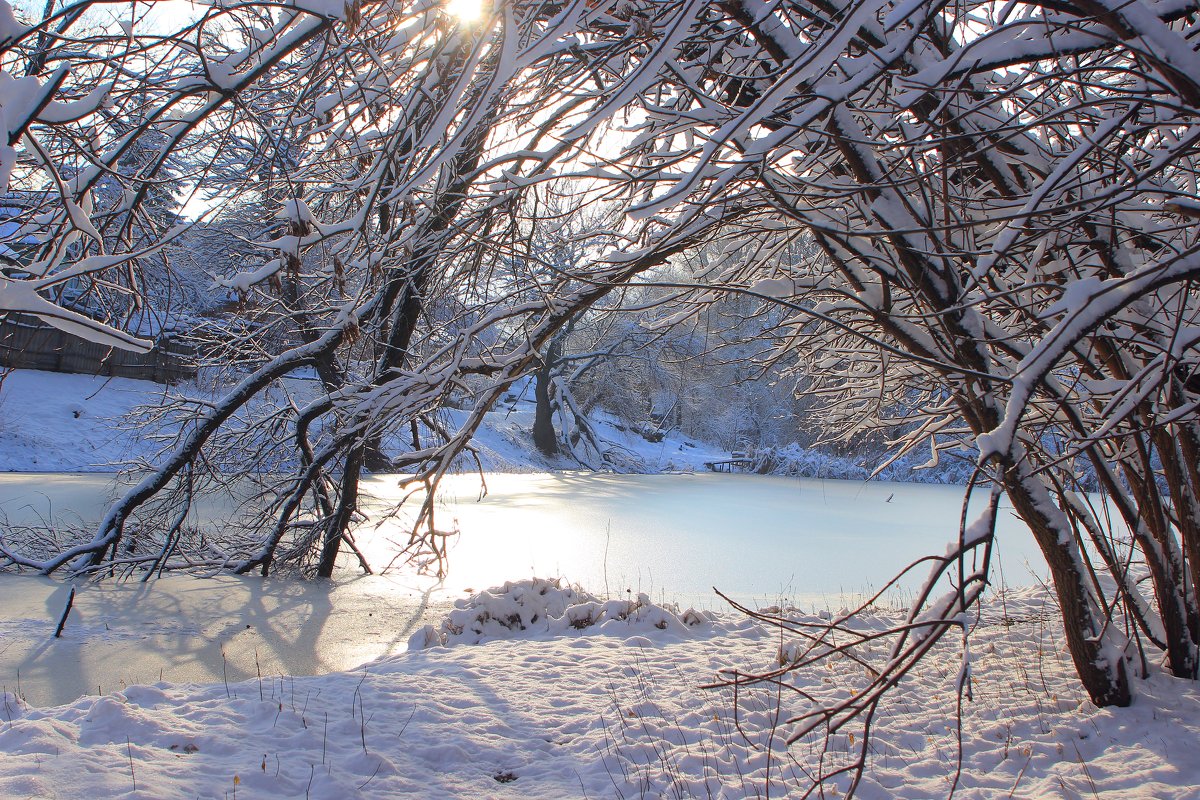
pixel 465 11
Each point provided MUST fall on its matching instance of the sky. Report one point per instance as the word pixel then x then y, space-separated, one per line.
pixel 171 13
pixel 167 12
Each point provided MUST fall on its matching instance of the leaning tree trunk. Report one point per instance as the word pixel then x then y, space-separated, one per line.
pixel 1101 667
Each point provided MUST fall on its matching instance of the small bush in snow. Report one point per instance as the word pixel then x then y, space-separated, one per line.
pixel 540 606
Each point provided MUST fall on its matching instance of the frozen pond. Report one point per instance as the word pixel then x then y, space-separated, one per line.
pixel 758 539
pixel 674 537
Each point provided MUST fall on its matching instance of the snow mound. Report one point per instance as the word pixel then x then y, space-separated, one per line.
pixel 542 607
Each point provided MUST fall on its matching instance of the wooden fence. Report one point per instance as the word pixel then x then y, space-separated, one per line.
pixel 28 343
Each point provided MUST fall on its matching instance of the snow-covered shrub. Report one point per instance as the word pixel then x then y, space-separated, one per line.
pixel 547 607
pixel 795 461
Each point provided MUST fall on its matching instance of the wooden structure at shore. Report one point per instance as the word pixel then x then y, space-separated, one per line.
pixel 735 464
pixel 28 343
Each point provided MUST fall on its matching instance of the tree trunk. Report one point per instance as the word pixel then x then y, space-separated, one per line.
pixel 347 504
pixel 544 436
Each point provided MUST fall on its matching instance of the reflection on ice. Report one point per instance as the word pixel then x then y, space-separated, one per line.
pixel 187 629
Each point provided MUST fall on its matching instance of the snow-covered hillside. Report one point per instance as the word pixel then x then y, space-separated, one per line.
pixel 51 422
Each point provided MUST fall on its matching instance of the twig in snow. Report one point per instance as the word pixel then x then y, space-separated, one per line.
pixel 62 621
pixel 129 752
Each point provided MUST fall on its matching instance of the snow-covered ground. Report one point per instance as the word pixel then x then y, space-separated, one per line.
pixel 599 700
pixel 53 422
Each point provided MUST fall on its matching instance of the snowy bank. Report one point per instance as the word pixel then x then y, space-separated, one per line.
pixel 80 423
